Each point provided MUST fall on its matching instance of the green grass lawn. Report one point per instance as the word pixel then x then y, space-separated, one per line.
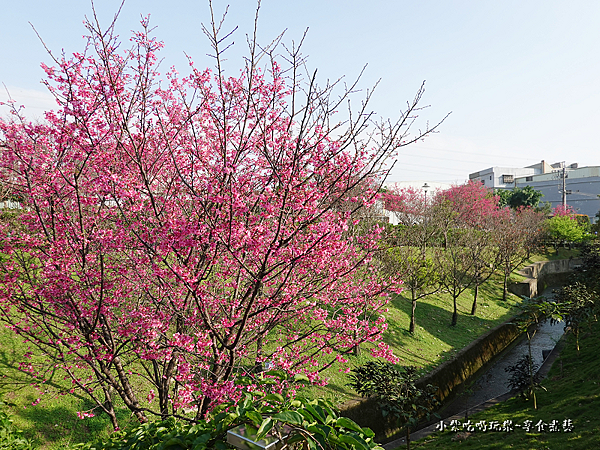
pixel 434 340
pixel 550 254
pixel 53 422
pixel 573 392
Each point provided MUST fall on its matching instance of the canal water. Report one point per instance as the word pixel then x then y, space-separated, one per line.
pixel 492 383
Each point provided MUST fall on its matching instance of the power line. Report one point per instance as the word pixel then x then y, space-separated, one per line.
pixel 429 167
pixel 474 153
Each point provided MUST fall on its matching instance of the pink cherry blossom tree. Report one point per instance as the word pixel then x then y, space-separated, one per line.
pixel 476 207
pixel 179 232
pixel 472 203
pixel 411 251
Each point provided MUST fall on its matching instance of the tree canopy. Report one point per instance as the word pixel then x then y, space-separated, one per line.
pixel 519 197
pixel 178 232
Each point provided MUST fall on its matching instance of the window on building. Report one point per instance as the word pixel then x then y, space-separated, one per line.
pixel 490 178
pixel 528 178
pixel 508 178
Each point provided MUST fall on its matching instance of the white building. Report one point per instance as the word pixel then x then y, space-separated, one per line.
pixel 504 177
pixel 582 184
pixel 582 187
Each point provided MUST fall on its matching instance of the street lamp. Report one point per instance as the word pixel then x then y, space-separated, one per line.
pixel 425 188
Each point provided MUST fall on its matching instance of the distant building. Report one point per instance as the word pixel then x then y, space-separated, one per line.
pixel 582 184
pixel 504 177
pixel 582 187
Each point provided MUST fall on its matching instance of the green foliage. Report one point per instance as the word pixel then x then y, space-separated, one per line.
pixel 519 197
pixel 578 304
pixel 566 229
pixel 523 377
pixel 395 390
pixel 589 272
pixel 10 437
pixel 534 311
pixel 595 228
pixel 312 423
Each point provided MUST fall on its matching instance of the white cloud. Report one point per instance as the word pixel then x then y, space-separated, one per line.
pixel 35 102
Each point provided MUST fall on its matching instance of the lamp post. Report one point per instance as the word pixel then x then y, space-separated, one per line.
pixel 425 213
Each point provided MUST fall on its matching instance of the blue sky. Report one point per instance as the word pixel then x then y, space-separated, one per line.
pixel 522 78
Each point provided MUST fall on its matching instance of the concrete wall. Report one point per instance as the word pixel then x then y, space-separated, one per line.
pixel 542 274
pixel 448 376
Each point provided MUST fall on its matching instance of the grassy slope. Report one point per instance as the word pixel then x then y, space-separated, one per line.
pixel 573 392
pixel 53 422
pixel 434 340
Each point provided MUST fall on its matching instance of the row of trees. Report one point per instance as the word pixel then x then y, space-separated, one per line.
pixel 456 239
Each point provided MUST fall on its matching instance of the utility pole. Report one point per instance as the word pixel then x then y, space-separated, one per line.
pixel 564 185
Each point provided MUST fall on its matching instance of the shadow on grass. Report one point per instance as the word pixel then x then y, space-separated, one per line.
pixel 434 320
pixel 51 424
pixel 15 378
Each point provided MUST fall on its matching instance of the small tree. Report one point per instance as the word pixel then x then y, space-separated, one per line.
pixel 419 275
pixel 524 377
pixel 410 249
pixel 534 311
pixel 517 234
pixel 564 227
pixel 459 263
pixel 474 207
pixel 486 263
pixel 578 304
pixel 395 390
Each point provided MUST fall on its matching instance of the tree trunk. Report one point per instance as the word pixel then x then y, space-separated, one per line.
pixel 412 326
pixel 474 307
pixel 505 291
pixel 454 314
pixel 258 367
pixel 128 395
pixel 108 406
pixel 407 437
pixel 202 408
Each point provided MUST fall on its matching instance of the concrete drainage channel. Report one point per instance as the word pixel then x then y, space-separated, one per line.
pixel 490 387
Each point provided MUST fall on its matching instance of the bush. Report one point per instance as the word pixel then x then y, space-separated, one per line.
pixel 10 437
pixel 312 423
pixel 523 377
pixel 396 392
